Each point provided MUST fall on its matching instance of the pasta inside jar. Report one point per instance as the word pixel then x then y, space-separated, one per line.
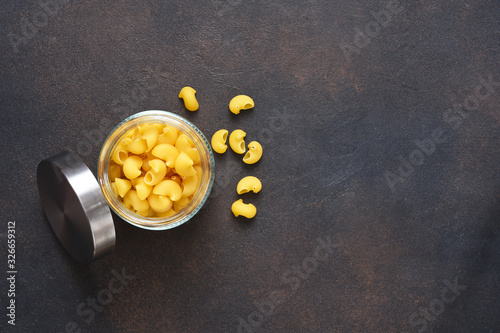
pixel 156 170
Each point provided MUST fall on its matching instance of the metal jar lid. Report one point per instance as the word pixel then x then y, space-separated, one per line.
pixel 75 207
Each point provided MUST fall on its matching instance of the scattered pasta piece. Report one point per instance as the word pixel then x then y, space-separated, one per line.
pixel 249 184
pixel 219 141
pixel 246 210
pixel 241 102
pixel 254 153
pixel 188 95
pixel 237 141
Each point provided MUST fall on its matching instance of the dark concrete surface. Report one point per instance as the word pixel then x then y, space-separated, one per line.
pixel 341 102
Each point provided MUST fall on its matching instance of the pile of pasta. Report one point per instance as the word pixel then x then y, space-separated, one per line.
pixel 155 170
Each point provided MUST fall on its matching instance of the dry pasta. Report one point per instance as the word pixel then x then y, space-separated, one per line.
pixel 219 141
pixel 254 153
pixel 188 95
pixel 243 209
pixel 237 141
pixel 241 102
pixel 154 170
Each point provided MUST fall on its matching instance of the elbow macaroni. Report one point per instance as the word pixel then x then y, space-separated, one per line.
pixel 219 141
pixel 154 170
pixel 159 203
pixel 181 203
pixel 184 144
pixel 184 165
pixel 115 171
pixel 237 141
pixel 138 146
pixel 247 184
pixel 131 200
pixel 122 186
pixel 247 210
pixel 143 190
pixel 157 172
pixel 241 102
pixel 166 152
pixel 176 178
pixel 169 135
pixel 188 95
pixel 150 134
pixel 132 167
pixel 254 153
pixel 189 185
pixel 168 188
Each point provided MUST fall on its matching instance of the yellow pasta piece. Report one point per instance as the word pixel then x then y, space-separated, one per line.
pixel 237 141
pixel 123 186
pixel 176 178
pixel 254 153
pixel 168 188
pixel 120 153
pixel 114 189
pixel 189 185
pixel 131 200
pixel 188 95
pixel 145 160
pixel 144 213
pixel 157 172
pixel 138 146
pixel 159 203
pixel 219 141
pixel 119 156
pixel 169 135
pixel 185 144
pixel 166 152
pixel 152 213
pixel 143 190
pixel 131 134
pixel 181 203
pixel 132 167
pixel 241 102
pixel 123 143
pixel 199 173
pixel 184 165
pixel 247 184
pixel 150 134
pixel 247 210
pixel 168 213
pixel 115 171
pixel 147 213
pixel 159 127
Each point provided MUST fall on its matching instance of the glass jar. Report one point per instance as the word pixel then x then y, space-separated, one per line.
pixel 207 164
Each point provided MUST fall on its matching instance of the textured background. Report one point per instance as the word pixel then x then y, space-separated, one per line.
pixel 332 128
